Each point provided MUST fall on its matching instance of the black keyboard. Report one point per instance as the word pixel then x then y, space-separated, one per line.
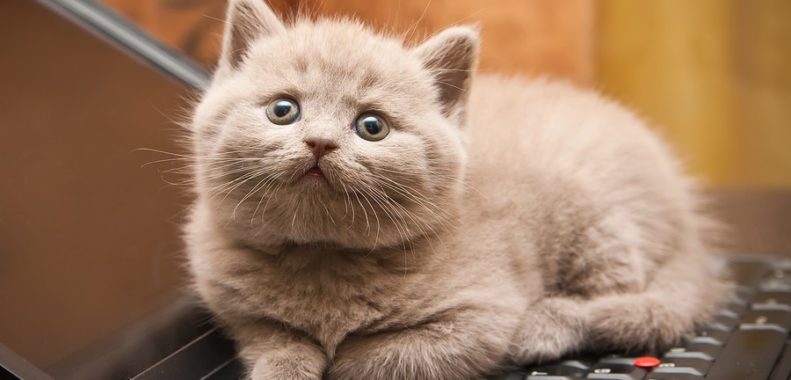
pixel 747 340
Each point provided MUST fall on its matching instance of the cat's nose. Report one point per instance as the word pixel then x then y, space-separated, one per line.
pixel 320 146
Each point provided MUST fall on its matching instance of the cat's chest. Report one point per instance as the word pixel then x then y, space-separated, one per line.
pixel 324 300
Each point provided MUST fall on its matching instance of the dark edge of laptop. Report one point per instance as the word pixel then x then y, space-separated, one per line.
pixel 108 26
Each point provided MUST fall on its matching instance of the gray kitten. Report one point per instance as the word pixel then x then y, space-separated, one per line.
pixel 368 210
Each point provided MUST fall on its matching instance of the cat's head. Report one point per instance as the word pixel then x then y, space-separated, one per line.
pixel 325 132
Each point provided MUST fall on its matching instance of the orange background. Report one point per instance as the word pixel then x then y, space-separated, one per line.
pixel 713 75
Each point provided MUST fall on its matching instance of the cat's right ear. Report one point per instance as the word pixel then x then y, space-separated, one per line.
pixel 246 21
pixel 451 56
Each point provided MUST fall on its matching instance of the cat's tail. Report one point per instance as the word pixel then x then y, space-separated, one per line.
pixel 684 292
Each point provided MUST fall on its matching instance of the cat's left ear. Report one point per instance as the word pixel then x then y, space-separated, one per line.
pixel 452 56
pixel 246 21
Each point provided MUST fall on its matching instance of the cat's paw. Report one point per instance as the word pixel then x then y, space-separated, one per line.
pixel 550 329
pixel 289 365
pixel 647 326
pixel 387 359
pixel 355 364
pixel 535 346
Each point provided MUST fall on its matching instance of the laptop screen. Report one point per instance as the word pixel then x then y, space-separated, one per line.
pixel 89 234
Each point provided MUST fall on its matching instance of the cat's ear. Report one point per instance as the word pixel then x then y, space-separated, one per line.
pixel 246 21
pixel 452 56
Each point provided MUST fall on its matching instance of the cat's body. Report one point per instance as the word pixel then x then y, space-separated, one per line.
pixel 566 224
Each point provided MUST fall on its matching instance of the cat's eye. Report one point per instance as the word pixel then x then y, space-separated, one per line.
pixel 371 127
pixel 283 111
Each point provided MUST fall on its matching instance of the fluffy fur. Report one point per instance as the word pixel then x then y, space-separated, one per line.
pixel 500 221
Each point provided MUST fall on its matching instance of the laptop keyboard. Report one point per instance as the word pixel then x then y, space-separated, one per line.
pixel 747 339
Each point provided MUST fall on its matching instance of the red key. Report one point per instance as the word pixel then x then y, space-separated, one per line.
pixel 647 362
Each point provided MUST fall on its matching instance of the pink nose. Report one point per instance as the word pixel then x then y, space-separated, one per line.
pixel 320 146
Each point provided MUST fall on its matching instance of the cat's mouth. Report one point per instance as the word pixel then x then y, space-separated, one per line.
pixel 315 176
pixel 315 171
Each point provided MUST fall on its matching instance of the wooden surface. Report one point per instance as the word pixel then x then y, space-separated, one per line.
pixel 712 75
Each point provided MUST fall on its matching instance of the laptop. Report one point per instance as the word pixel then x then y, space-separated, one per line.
pixel 91 272
pixel 90 255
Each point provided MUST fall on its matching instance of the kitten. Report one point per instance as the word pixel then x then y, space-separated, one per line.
pixel 367 210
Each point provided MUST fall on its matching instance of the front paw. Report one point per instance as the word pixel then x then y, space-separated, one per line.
pixel 410 358
pixel 550 329
pixel 647 326
pixel 289 365
pixel 537 346
pixel 353 362
pixel 380 358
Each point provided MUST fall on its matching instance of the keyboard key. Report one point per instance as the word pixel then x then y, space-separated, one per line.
pixel 722 323
pixel 646 362
pixel 781 319
pixel 616 372
pixel 571 369
pixel 687 355
pixel 776 285
pixel 694 351
pixel 772 301
pixel 783 264
pixel 782 370
pixel 742 295
pixel 703 340
pixel 511 376
pixel 583 364
pixel 737 308
pixel 748 355
pixel 699 365
pixel 679 370
pixel 726 313
pixel 671 376
pixel 718 335
pixel 542 376
pixel 728 322
pixel 717 326
pixel 617 359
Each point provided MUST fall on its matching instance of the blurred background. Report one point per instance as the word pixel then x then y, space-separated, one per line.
pixel 713 75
